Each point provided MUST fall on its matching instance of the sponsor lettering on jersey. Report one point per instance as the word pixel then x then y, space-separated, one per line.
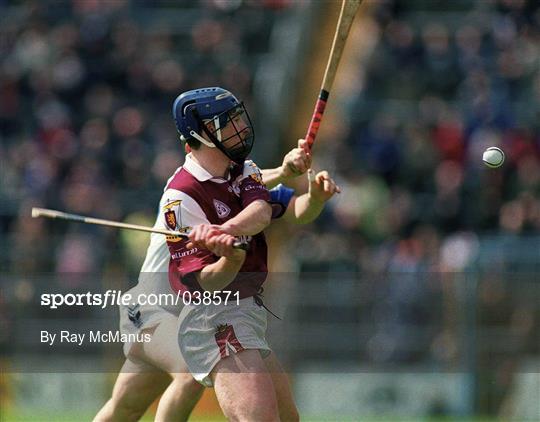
pixel 251 187
pixel 178 255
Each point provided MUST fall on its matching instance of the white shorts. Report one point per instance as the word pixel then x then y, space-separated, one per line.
pixel 135 318
pixel 208 333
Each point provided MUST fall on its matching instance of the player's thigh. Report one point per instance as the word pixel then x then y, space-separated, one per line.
pixel 163 350
pixel 244 387
pixel 138 385
pixel 287 408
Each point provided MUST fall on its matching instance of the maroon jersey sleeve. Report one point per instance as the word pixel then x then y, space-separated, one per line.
pixel 251 185
pixel 191 260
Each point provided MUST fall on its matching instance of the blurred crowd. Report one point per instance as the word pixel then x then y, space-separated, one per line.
pixel 442 82
pixel 86 89
pixel 440 86
pixel 85 93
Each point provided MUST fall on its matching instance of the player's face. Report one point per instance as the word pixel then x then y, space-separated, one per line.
pixel 236 131
pixel 236 128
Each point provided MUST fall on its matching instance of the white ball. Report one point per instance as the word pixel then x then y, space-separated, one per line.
pixel 493 157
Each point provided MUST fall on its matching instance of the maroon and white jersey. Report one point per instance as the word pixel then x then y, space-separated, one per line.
pixel 193 196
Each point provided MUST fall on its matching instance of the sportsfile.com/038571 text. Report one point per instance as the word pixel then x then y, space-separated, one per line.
pixel 115 298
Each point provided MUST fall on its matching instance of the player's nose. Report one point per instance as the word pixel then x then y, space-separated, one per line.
pixel 241 125
pixel 245 133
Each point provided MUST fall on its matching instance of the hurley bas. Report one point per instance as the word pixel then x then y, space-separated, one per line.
pixel 98 336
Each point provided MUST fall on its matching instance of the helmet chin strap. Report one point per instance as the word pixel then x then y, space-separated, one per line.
pixel 218 128
pixel 199 138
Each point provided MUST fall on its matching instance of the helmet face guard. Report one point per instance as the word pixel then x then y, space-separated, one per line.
pixel 231 132
pixel 223 119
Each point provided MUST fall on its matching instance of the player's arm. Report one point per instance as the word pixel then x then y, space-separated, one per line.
pixel 220 274
pixel 217 275
pixel 252 220
pixel 295 163
pixel 305 208
pixel 257 211
pixel 208 255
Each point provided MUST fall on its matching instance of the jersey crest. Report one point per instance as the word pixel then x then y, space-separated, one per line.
pixel 170 209
pixel 222 210
pixel 257 177
pixel 255 173
pixel 170 219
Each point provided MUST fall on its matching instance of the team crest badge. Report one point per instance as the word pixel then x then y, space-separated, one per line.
pixel 257 177
pixel 256 173
pixel 169 211
pixel 170 219
pixel 221 209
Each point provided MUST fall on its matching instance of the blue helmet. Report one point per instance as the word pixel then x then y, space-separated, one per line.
pixel 209 110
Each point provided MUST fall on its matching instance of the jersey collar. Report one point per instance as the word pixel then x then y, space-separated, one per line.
pixel 199 172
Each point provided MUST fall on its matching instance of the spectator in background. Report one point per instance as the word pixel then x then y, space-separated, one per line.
pixel 81 84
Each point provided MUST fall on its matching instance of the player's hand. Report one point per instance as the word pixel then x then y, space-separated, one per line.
pixel 230 228
pixel 321 186
pixel 209 236
pixel 227 228
pixel 297 161
pixel 200 234
pixel 222 245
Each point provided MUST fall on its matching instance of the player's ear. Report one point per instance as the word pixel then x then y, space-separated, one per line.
pixel 205 136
